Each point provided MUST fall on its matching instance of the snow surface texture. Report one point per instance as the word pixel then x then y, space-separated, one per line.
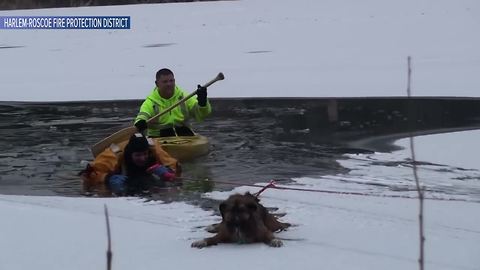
pixel 267 48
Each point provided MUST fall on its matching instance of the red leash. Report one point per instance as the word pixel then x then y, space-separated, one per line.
pixel 270 184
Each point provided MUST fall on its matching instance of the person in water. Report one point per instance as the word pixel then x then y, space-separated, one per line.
pixel 133 169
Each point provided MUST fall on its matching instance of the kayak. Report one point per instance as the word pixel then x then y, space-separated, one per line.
pixel 184 147
pixel 180 147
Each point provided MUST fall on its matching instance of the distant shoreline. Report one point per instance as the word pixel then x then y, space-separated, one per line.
pixel 38 4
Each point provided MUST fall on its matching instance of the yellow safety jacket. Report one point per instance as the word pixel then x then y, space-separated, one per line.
pixel 179 116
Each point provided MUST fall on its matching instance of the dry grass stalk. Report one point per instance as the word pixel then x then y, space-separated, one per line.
pixel 421 259
pixel 109 248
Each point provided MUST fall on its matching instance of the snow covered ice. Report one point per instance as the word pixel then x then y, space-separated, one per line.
pixel 267 48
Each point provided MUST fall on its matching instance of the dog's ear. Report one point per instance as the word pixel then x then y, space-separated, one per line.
pixel 222 208
pixel 248 194
pixel 252 207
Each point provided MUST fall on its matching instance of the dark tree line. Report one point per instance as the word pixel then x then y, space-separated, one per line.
pixel 30 4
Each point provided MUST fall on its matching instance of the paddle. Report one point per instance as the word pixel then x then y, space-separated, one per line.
pixel 125 133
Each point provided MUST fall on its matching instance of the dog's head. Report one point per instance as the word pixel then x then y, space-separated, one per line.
pixel 239 209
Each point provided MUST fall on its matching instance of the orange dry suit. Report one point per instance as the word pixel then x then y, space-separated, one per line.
pixel 111 161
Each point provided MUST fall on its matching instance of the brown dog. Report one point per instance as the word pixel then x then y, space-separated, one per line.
pixel 244 220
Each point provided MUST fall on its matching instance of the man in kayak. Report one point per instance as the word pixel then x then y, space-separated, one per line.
pixel 133 169
pixel 165 94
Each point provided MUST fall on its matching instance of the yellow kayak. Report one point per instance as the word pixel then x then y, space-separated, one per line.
pixel 184 147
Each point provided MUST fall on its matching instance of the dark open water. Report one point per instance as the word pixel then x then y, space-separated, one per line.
pixel 252 140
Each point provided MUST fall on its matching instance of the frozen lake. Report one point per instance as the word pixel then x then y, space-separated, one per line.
pixel 251 140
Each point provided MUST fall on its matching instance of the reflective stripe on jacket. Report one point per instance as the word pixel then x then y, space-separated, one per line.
pixel 179 116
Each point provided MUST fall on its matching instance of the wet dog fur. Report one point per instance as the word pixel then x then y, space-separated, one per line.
pixel 244 220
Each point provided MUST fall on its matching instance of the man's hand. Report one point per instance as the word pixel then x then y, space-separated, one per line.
pixel 141 125
pixel 202 96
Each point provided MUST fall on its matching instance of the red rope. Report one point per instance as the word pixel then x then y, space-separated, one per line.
pixel 272 184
